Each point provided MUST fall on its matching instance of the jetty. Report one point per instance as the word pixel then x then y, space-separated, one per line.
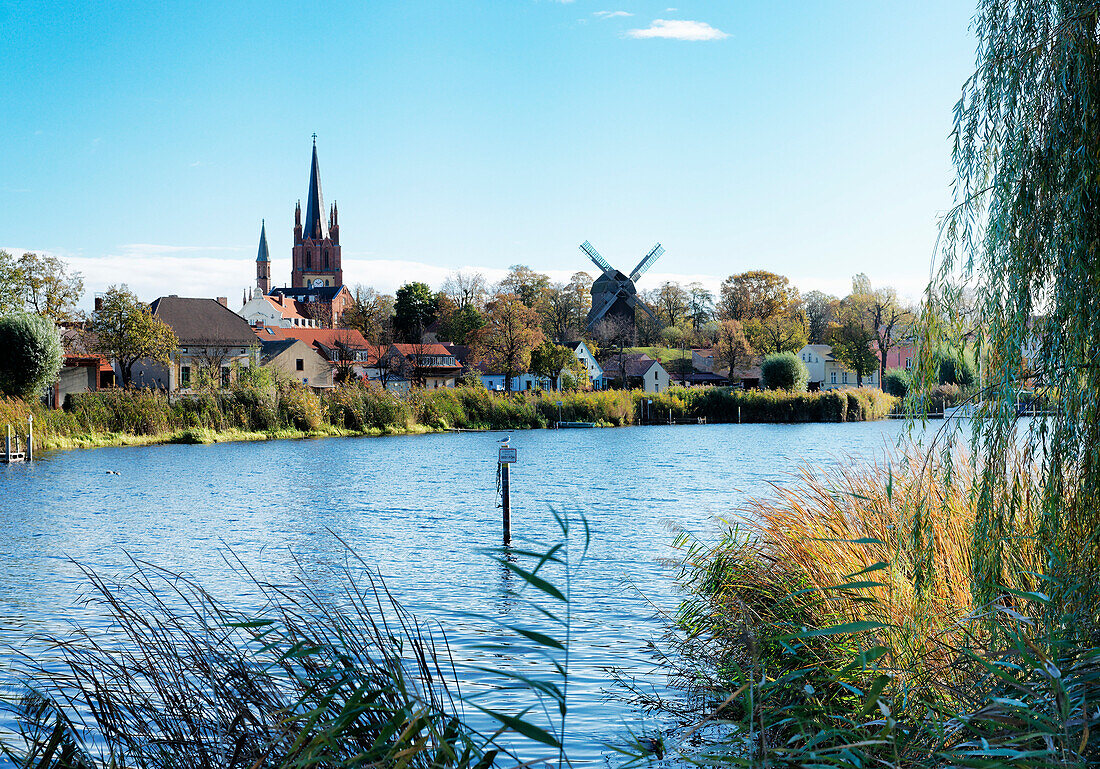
pixel 16 450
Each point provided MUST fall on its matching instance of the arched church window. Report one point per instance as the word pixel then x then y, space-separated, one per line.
pixel 309 261
pixel 326 258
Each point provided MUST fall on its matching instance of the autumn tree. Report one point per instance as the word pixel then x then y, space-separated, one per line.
pixel 45 286
pixel 466 289
pixel 564 308
pixel 525 283
pixel 890 322
pixel 820 314
pixel 456 323
pixel 731 347
pixel 11 289
pixel 782 332
pixel 124 330
pixel 756 294
pixel 414 309
pixel 671 302
pixel 371 314
pixel 505 342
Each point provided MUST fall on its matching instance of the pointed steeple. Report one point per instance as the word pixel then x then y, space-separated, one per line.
pixel 262 255
pixel 315 226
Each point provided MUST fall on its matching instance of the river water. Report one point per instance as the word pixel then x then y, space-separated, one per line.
pixel 421 511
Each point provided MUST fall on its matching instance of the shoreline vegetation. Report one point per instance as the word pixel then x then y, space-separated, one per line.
pixel 269 410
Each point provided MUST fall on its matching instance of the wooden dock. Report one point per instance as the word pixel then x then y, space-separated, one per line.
pixel 15 450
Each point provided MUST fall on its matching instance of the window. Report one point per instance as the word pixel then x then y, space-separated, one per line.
pixel 185 377
pixel 326 261
pixel 225 376
pixel 299 365
pixel 832 377
pixel 183 349
pixel 845 377
pixel 309 261
pixel 908 363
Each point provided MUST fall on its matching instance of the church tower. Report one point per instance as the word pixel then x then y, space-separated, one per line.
pixel 315 259
pixel 263 262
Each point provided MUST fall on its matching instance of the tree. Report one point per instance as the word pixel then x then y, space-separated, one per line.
pixel 466 290
pixel 851 337
pixel 550 360
pixel 44 285
pixel 887 319
pixel 414 309
pixel 371 314
pixel 11 285
pixel 756 294
pixel 509 335
pixel 672 303
pixel 784 371
pixel 700 306
pixel 456 324
pixel 125 331
pixel 525 283
pixel 731 346
pixel 30 355
pixel 820 314
pixel 782 332
pixel 564 308
pixel 615 334
pixel 896 382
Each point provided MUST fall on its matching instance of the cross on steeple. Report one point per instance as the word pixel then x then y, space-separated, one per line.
pixel 314 140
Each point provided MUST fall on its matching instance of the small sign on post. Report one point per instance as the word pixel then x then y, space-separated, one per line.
pixel 505 459
pixel 507 455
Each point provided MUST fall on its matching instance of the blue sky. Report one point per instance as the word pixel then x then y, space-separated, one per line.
pixel 146 141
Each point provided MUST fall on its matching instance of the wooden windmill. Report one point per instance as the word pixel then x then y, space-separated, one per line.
pixel 614 294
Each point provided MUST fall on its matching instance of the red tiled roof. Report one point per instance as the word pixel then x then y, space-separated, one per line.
pixel 434 348
pixel 330 338
pixel 286 306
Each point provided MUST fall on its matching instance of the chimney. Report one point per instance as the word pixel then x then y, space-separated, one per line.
pixel 224 301
pixel 98 303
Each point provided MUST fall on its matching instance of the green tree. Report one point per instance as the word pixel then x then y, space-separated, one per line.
pixel 414 309
pixel 123 329
pixel 30 355
pixel 371 314
pixel 457 324
pixel 564 308
pixel 852 337
pixel 505 342
pixel 731 347
pixel 784 371
pixel 49 289
pixel 550 360
pixel 821 311
pixel 700 306
pixel 782 332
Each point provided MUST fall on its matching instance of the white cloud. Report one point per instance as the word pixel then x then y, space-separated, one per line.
pixel 673 29
pixel 611 14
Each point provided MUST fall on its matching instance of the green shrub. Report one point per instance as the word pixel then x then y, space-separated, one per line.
pixel 30 355
pixel 896 382
pixel 784 371
pixel 955 369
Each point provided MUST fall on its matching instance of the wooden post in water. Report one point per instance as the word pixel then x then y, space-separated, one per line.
pixel 505 458
pixel 7 445
pixel 30 437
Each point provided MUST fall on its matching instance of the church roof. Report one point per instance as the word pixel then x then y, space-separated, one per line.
pixel 315 225
pixel 308 293
pixel 262 255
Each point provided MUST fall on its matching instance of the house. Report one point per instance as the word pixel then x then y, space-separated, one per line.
pixel 279 311
pixel 213 340
pixel 325 304
pixel 82 370
pixel 588 360
pixel 642 372
pixel 827 373
pixel 430 364
pixel 344 348
pixel 702 359
pixel 297 360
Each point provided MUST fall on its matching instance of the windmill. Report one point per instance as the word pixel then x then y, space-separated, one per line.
pixel 614 294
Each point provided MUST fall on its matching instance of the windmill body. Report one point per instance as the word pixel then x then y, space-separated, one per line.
pixel 614 295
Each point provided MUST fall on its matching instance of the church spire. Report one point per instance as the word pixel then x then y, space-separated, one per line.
pixel 263 262
pixel 261 254
pixel 315 226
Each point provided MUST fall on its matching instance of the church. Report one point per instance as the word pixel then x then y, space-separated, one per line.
pixel 316 291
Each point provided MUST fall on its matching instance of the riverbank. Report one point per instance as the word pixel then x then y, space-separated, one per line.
pixel 269 410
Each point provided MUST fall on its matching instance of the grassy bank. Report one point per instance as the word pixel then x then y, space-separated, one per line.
pixel 264 409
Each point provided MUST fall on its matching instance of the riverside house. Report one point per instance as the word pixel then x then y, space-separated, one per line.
pixel 297 360
pixel 213 342
pixel 827 373
pixel 641 372
pixel 343 348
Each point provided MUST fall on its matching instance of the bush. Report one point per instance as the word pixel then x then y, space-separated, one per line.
pixel 30 355
pixel 896 382
pixel 955 369
pixel 784 371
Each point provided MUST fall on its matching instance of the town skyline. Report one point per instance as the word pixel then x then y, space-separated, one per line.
pixel 598 126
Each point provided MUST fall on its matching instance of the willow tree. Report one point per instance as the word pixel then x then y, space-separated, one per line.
pixel 1022 248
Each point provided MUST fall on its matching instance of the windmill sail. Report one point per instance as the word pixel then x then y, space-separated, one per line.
pixel 647 262
pixel 594 255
